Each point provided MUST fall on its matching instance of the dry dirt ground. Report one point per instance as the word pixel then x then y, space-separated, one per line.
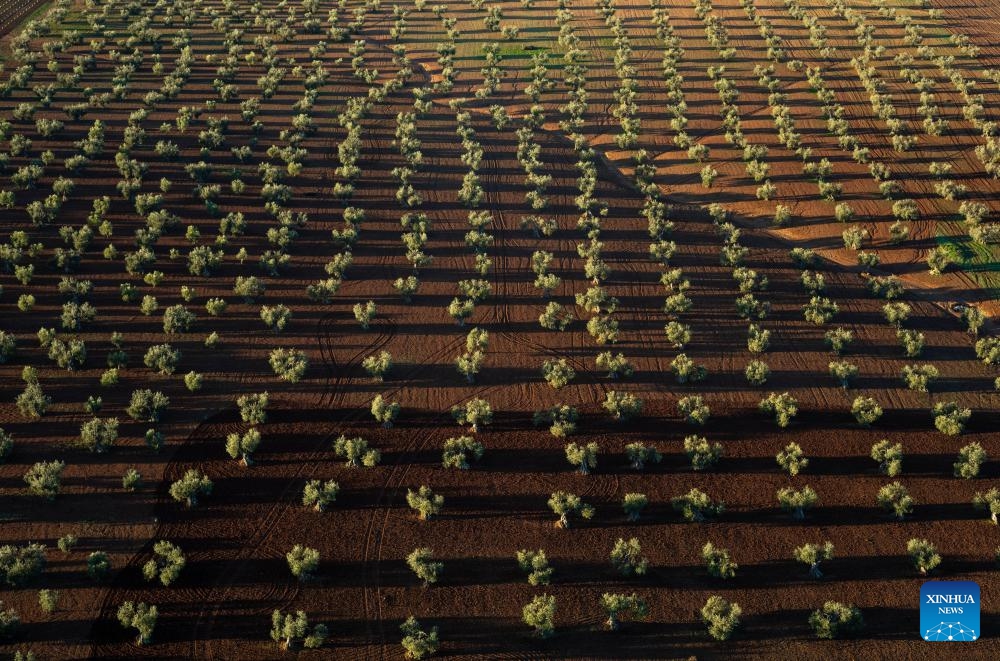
pixel 236 539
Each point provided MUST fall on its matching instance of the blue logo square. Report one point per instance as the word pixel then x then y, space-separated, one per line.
pixel 949 611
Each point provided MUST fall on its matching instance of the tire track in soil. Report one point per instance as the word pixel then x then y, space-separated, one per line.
pixel 333 397
pixel 501 313
pixel 209 428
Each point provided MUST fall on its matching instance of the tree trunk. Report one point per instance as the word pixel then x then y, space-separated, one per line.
pixel 814 570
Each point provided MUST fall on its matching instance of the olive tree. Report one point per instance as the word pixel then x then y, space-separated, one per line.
pixel 950 418
pixel 20 565
pixel 694 410
pixel 98 565
pixel 318 495
pixel 622 405
pixel 384 411
pixel 721 617
pixel 633 504
pixel 253 407
pixel 140 617
pixel 889 457
pixel 557 373
pixel 792 459
pixel 923 555
pixel 618 606
pixel 242 446
pixel 421 562
pixel 540 613
pixel 97 435
pixel 812 555
pixel 378 365
pixel 275 317
pixel 866 411
pixel 835 619
pixel 44 479
pixel 147 405
pixel 474 413
pixel 838 339
pixel 418 643
pixel 717 561
pixel 757 372
pixel 289 630
pixel 844 372
pixel 783 406
pixel 686 370
pixel 627 558
pixel 189 488
pixel 177 319
pixel 988 350
pixel 988 501
pixel 584 457
pixel 639 454
pixel 536 564
pixel 425 502
pixel 911 341
pixel 560 418
pixel 616 365
pixel 894 498
pixel 162 358
pixel 355 452
pixel 364 313
pixel 702 453
pixel 970 460
pixel 919 378
pixel 302 561
pixel 288 364
pixel 565 505
pixel 457 452
pixel 696 506
pixel 797 502
pixel 166 564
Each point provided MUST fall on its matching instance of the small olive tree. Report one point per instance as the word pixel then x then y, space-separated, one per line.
pixel 696 506
pixel 319 495
pixel 717 561
pixel 166 564
pixel 584 457
pixel 355 452
pixel 565 505
pixel 783 406
pixel 812 555
pixel 889 457
pixel 923 555
pixel 425 502
pixel 302 561
pixel 540 613
pixel 289 630
pixel 618 606
pixel 192 486
pixel 627 558
pixel 140 617
pixel 894 498
pixel 536 565
pixel 792 459
pixel 421 562
pixel 418 643
pixel 835 619
pixel 721 617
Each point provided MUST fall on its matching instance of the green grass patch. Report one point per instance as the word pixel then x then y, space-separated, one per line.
pixel 981 262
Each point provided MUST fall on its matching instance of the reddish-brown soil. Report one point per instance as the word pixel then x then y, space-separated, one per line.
pixel 236 539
